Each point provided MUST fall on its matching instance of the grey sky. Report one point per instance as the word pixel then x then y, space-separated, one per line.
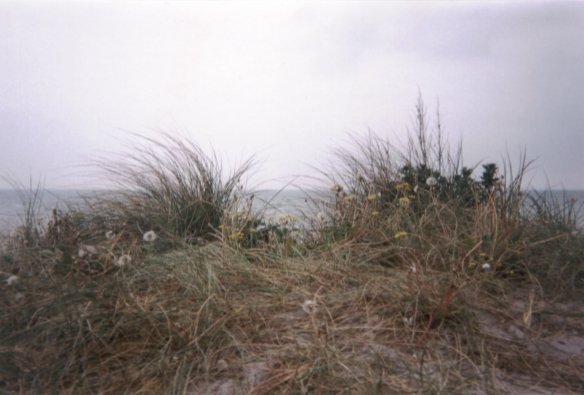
pixel 287 80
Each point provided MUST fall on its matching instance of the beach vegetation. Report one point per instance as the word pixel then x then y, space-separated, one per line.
pixel 413 273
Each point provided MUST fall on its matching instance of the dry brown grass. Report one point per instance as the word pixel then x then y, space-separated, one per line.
pixel 209 319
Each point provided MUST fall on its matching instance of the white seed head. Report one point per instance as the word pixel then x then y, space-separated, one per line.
pixel 416 189
pixel 309 306
pixel 82 253
pixel 123 260
pixel 91 249
pixel 12 280
pixel 486 266
pixel 110 235
pixel 18 297
pixel 150 236
pixel 321 217
pixel 409 321
pixel 431 181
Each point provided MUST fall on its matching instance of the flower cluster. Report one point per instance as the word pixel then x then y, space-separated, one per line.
pixel 403 187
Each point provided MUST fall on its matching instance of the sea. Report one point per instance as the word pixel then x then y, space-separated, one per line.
pixel 274 203
pixel 298 203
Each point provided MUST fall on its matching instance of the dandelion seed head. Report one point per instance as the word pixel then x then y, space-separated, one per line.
pixel 431 181
pixel 309 306
pixel 81 252
pixel 12 280
pixel 321 217
pixel 109 235
pixel 486 266
pixel 150 236
pixel 91 249
pixel 123 260
pixel 416 189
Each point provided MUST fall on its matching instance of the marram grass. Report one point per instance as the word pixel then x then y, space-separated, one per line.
pixel 424 283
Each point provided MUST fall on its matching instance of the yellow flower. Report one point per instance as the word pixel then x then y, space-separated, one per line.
pixel 405 186
pixel 404 200
pixel 400 234
pixel 337 188
pixel 236 236
pixel 371 197
pixel 375 213
pixel 483 254
pixel 350 197
pixel 412 196
pixel 472 264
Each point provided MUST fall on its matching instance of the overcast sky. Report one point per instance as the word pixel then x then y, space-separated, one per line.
pixel 287 80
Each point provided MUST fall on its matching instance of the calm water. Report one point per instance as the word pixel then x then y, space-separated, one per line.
pixel 273 202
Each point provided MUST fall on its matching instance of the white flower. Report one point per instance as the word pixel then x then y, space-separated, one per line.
pixel 12 280
pixel 431 181
pixel 409 321
pixel 110 234
pixel 149 236
pixel 81 252
pixel 414 270
pixel 309 306
pixel 486 266
pixel 123 261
